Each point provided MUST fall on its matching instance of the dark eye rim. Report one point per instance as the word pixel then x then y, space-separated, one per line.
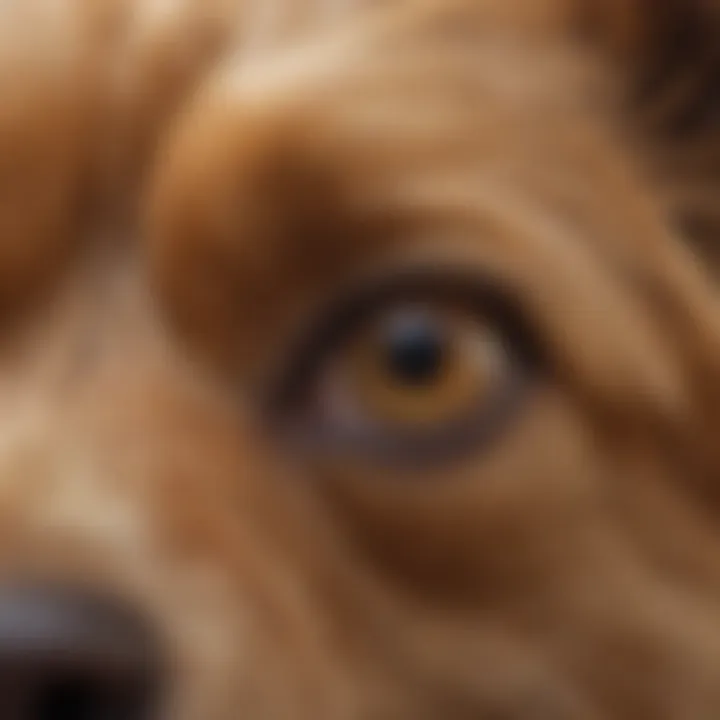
pixel 485 296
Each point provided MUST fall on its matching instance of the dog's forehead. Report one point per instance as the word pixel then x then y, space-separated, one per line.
pixel 103 79
pixel 92 90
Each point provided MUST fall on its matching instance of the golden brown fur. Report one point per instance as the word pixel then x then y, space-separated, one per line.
pixel 185 183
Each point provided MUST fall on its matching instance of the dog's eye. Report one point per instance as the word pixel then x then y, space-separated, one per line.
pixel 413 368
pixel 413 373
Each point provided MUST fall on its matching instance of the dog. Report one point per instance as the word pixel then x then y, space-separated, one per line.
pixel 359 360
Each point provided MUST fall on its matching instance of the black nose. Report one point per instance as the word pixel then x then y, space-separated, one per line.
pixel 66 656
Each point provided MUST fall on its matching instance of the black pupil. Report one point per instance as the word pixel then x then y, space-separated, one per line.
pixel 414 348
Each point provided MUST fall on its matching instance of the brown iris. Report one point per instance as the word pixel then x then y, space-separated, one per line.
pixel 416 367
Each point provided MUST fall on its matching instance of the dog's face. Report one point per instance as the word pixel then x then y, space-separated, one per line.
pixel 362 361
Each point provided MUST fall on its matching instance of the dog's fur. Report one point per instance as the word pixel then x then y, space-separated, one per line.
pixel 184 183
